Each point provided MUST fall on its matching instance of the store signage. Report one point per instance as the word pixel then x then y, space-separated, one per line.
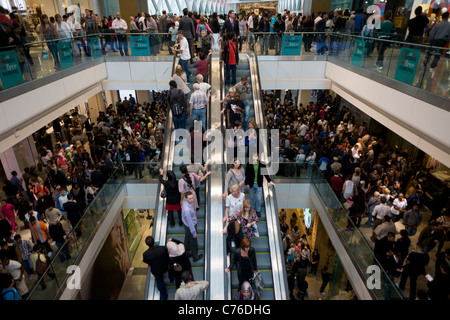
pixel 65 54
pixel 358 53
pixel 307 217
pixel 292 45
pixel 10 72
pixel 407 65
pixel 140 46
pixel 95 47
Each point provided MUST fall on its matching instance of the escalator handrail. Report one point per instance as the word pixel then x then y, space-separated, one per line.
pixel 159 223
pixel 279 275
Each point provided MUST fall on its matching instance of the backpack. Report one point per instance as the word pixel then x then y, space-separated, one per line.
pixel 177 108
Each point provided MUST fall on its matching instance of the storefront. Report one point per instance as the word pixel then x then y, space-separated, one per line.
pixel 269 8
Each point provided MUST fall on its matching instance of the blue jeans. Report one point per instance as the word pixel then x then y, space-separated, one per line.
pixel 180 121
pixel 64 254
pixel 123 44
pixel 184 65
pixel 256 191
pixel 246 115
pixel 200 114
pixel 369 220
pixel 265 44
pixel 229 68
pixel 161 287
pixel 411 231
pixel 309 170
pixel 28 265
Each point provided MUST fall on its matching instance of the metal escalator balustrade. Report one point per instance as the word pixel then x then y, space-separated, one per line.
pixel 267 249
pixel 163 231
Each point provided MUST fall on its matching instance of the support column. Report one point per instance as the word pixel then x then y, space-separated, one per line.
pixel 95 104
pixel 143 96
pixel 304 97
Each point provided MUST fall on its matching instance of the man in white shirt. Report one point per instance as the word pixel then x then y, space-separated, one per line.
pixel 319 17
pixel 205 87
pixel 380 211
pixel 121 26
pixel 52 215
pixel 398 207
pixel 185 54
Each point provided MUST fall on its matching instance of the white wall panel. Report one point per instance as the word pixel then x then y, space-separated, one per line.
pixel 423 118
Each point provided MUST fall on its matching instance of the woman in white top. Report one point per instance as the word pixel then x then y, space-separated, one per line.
pixel 63 28
pixel 89 191
pixel 234 203
pixel 236 175
pixel 180 78
pixel 398 207
pixel 348 188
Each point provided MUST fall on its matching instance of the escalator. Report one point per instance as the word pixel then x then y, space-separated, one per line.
pixel 162 229
pixel 268 244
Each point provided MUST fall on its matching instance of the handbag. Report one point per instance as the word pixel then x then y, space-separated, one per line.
pixel 163 193
pixel 41 266
pixel 258 282
pixel 175 267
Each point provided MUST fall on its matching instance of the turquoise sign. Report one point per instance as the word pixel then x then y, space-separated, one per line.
pixel 10 72
pixel 140 46
pixel 407 65
pixel 292 45
pixel 358 53
pixel 65 54
pixel 95 47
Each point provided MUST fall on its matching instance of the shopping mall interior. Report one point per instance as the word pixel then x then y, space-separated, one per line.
pixel 343 140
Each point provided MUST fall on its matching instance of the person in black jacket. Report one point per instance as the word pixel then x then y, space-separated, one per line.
pixel 177 255
pixel 58 235
pixel 173 199
pixel 187 26
pixel 157 257
pixel 73 213
pixel 231 25
pixel 244 259
pixel 254 182
pixel 279 27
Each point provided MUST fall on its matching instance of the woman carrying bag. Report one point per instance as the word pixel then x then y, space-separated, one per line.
pixel 173 196
pixel 244 259
pixel 178 261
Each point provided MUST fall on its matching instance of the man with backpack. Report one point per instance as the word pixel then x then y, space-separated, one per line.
pixel 178 104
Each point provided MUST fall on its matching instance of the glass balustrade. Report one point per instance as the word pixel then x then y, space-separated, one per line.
pixel 35 60
pixel 420 65
pixel 48 286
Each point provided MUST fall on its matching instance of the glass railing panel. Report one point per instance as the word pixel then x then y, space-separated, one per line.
pixel 357 244
pixel 60 261
pixel 142 171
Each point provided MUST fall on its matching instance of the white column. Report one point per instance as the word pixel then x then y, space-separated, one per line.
pixel 10 164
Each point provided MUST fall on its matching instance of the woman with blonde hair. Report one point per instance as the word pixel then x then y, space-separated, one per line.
pixel 235 176
pixel 247 218
pixel 180 78
pixel 234 202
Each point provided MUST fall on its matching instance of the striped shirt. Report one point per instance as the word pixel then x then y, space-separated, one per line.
pixel 25 247
pixel 198 99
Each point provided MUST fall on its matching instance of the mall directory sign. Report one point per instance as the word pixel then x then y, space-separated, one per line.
pixel 292 45
pixel 10 72
pixel 65 54
pixel 358 53
pixel 140 46
pixel 407 65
